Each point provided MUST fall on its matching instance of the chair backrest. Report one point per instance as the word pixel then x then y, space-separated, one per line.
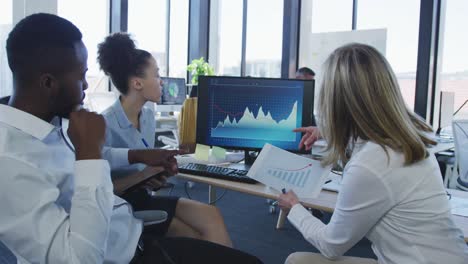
pixel 4 100
pixel 188 122
pixel 460 134
pixel 6 257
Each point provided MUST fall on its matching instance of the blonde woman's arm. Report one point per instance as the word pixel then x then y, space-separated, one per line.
pixel 362 202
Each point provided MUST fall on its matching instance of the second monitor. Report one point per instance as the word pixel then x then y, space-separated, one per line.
pixel 245 113
pixel 174 91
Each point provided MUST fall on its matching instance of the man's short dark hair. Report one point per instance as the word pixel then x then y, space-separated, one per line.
pixel 306 71
pixel 38 44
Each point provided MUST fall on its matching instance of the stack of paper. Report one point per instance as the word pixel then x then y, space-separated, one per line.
pixel 280 169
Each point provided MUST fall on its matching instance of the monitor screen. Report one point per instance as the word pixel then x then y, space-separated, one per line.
pixel 174 91
pixel 245 113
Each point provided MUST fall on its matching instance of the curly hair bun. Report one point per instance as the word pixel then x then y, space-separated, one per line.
pixel 115 53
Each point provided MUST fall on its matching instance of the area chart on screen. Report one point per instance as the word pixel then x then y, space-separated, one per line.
pixel 246 125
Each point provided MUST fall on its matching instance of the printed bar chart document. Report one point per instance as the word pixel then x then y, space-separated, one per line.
pixel 280 169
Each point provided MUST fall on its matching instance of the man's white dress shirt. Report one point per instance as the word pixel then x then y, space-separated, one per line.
pixel 403 210
pixel 55 209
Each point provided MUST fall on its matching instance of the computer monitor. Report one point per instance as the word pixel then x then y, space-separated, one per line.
pixel 174 91
pixel 245 113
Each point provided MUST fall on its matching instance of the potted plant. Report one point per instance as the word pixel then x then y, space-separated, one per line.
pixel 199 67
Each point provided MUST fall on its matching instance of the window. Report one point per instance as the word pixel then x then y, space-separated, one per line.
pixel 454 73
pixel 318 19
pixel 92 18
pixel 321 21
pixel 226 36
pixel 6 21
pixel 147 22
pixel 319 16
pixel 401 19
pixel 168 22
pixel 178 38
pixel 264 38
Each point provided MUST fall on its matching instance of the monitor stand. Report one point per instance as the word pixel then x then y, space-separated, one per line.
pixel 249 158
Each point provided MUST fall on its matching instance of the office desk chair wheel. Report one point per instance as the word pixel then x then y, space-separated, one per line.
pixel 190 184
pixel 273 205
pixel 272 209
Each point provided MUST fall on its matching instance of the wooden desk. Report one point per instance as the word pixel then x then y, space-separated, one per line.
pixel 441 146
pixel 326 200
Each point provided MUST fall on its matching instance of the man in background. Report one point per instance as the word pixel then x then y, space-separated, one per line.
pixel 305 73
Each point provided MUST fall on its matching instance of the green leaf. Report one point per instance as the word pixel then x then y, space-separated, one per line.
pixel 199 67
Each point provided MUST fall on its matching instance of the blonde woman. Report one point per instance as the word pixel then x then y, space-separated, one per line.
pixel 392 191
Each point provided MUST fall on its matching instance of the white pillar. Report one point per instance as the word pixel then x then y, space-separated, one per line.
pixel 23 8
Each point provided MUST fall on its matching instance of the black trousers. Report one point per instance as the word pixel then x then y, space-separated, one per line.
pixel 182 250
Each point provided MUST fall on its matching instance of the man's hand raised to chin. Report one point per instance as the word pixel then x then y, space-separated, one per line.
pixel 87 133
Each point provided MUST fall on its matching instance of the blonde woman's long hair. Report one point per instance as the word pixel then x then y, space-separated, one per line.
pixel 360 99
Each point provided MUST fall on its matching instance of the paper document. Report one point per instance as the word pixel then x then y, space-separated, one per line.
pixel 280 169
pixel 202 152
pixel 218 153
pixel 459 206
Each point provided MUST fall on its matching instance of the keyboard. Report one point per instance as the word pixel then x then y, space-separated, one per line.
pixel 216 172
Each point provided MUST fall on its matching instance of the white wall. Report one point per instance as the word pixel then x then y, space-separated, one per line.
pixel 316 47
pixel 23 8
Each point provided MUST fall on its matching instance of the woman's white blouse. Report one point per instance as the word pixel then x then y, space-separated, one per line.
pixel 403 210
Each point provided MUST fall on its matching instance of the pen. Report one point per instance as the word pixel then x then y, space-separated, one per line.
pixel 145 143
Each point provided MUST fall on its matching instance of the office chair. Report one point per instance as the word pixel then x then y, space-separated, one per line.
pixel 151 217
pixel 4 100
pixel 170 143
pixel 460 173
pixel 446 161
pixel 6 256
